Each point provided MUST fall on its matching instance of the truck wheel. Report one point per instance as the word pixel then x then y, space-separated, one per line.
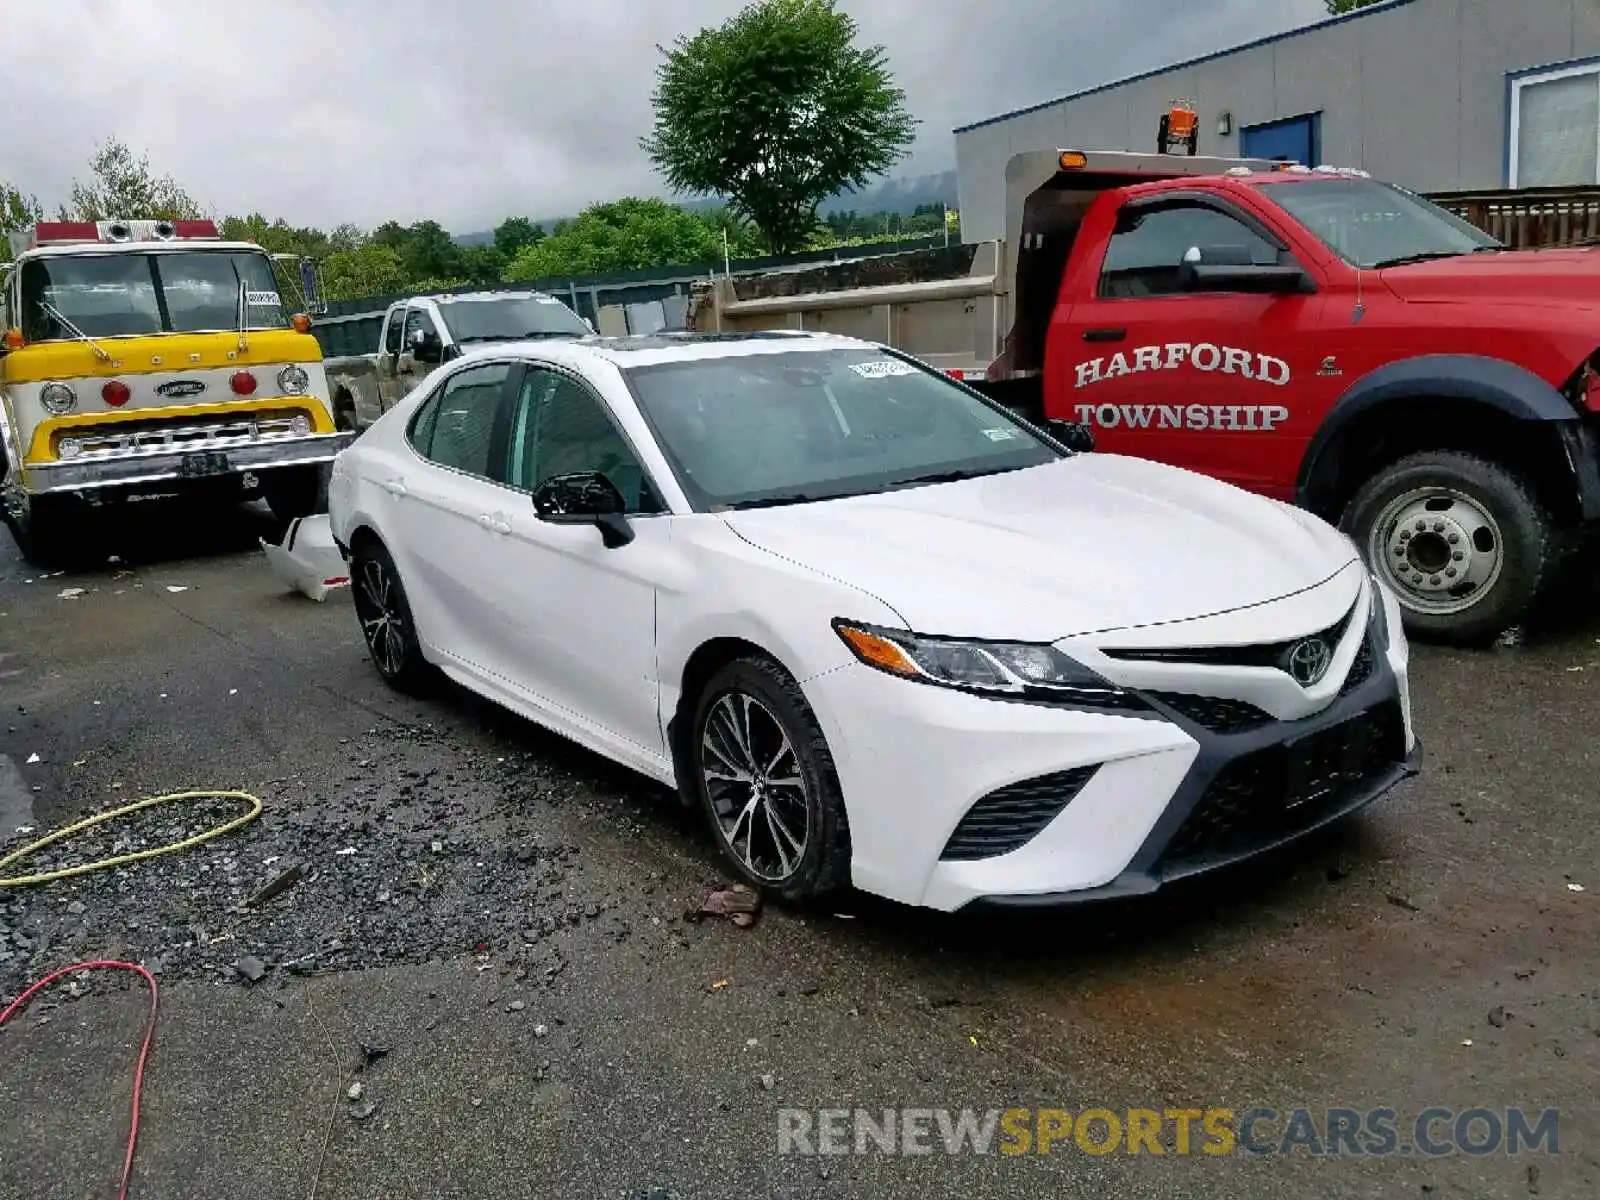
pixel 292 492
pixel 1461 540
pixel 49 532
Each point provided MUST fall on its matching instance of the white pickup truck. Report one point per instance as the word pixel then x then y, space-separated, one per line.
pixel 420 332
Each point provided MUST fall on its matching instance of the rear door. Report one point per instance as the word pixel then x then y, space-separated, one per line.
pixel 443 496
pixel 1202 380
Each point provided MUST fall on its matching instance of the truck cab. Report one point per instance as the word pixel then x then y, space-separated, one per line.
pixel 141 357
pixel 1326 339
pixel 421 332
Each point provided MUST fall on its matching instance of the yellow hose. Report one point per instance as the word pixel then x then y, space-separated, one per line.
pixel 138 855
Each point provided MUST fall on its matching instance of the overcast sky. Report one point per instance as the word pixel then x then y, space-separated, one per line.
pixel 466 111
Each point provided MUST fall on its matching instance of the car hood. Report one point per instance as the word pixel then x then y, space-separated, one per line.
pixel 1558 277
pixel 1087 544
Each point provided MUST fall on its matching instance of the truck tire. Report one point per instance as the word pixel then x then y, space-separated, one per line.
pixel 1462 540
pixel 292 492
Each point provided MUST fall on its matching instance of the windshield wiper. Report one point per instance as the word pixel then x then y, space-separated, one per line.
pixel 780 501
pixel 955 476
pixel 1422 256
pixel 56 315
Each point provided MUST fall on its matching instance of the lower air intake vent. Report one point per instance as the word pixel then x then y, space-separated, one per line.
pixel 1215 713
pixel 1010 818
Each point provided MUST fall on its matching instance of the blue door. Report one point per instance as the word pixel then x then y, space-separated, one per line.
pixel 1294 140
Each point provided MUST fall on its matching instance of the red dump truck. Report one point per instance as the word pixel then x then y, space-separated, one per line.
pixel 1311 334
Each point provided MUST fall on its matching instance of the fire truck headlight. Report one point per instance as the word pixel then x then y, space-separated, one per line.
pixel 300 425
pixel 294 381
pixel 58 398
pixel 69 447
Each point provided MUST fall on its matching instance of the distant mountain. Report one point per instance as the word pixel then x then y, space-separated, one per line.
pixel 892 195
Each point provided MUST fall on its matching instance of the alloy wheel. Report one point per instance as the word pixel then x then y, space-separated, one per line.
pixel 757 790
pixel 382 619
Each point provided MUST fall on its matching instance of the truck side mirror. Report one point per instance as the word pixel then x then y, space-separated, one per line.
pixel 426 346
pixel 1076 437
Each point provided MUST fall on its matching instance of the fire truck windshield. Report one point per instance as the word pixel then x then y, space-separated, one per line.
pixel 106 295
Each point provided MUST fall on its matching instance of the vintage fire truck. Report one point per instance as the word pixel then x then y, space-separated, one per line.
pixel 142 357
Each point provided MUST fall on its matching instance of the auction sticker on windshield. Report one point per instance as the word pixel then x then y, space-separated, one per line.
pixel 262 299
pixel 882 369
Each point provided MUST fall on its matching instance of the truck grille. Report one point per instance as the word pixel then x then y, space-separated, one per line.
pixel 163 437
pixel 1264 796
pixel 1011 817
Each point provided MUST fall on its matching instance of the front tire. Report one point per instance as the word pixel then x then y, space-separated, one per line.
pixel 1463 542
pixel 762 771
pixel 386 621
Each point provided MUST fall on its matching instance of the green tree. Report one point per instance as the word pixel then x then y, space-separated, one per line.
pixel 744 239
pixel 369 270
pixel 777 109
pixel 482 264
pixel 123 186
pixel 1335 7
pixel 18 210
pixel 515 234
pixel 623 235
pixel 429 252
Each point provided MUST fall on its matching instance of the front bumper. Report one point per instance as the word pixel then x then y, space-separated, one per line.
pixel 165 467
pixel 914 763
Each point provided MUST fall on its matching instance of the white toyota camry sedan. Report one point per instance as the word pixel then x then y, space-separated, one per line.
pixel 879 631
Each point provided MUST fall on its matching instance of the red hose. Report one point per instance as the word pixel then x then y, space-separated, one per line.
pixel 144 1050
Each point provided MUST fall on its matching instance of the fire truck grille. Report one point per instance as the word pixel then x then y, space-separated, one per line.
pixel 164 437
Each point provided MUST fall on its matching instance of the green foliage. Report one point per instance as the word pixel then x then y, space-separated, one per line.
pixel 515 234
pixel 1336 7
pixel 18 210
pixel 777 109
pixel 623 235
pixel 373 269
pixel 125 186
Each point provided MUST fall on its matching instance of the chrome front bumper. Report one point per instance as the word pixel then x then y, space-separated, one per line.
pixel 168 466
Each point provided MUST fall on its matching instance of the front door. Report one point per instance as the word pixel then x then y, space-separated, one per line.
pixel 1206 380
pixel 578 616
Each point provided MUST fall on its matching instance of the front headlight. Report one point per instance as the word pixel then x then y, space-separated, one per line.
pixel 1020 670
pixel 293 381
pixel 58 398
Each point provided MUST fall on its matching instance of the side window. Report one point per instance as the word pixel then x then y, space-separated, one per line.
pixel 417 320
pixel 1149 245
pixel 456 426
pixel 391 334
pixel 559 427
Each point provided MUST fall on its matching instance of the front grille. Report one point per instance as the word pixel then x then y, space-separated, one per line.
pixel 1269 794
pixel 160 437
pixel 1011 817
pixel 1215 713
pixel 1263 654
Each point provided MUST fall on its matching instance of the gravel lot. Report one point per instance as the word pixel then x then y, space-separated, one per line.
pixel 504 916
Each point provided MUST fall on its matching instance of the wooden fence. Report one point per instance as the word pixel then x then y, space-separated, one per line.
pixel 1531 218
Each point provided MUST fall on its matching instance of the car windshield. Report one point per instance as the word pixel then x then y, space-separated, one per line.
pixel 128 295
pixel 510 318
pixel 1372 224
pixel 790 427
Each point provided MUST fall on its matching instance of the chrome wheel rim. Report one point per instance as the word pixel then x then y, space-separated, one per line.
pixel 381 619
pixel 1439 549
pixel 757 791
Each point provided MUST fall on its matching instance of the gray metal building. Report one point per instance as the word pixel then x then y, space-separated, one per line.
pixel 1439 95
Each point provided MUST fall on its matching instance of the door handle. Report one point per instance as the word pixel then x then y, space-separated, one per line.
pixel 1104 335
pixel 395 487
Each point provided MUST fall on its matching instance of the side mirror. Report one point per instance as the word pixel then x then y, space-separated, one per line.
pixel 585 498
pixel 1074 436
pixel 426 346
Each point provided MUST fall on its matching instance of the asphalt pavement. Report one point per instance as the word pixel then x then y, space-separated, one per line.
pixel 500 918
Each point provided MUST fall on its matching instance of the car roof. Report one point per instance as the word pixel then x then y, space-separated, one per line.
pixel 641 350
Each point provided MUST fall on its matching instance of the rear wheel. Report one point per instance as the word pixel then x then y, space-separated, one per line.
pixel 292 492
pixel 386 621
pixel 764 774
pixel 1463 542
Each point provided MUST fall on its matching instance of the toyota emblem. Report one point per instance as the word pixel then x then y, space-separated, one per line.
pixel 1308 661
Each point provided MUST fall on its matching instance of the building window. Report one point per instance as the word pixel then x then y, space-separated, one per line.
pixel 1555 128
